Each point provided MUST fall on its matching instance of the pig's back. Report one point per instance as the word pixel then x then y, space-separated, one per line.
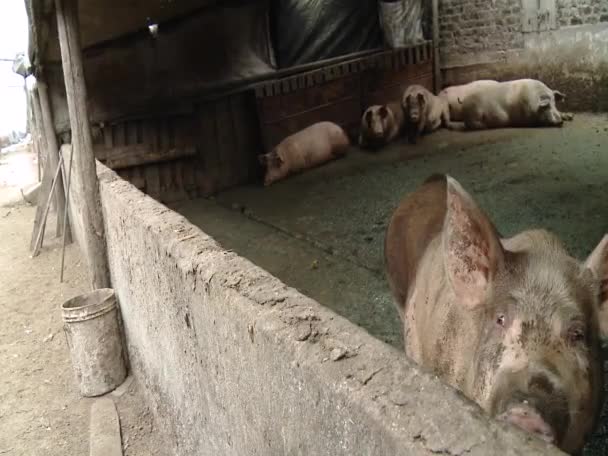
pixel 415 223
pixel 313 145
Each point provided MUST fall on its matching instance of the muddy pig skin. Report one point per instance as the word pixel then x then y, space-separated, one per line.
pixel 380 124
pixel 424 112
pixel 455 95
pixel 312 146
pixel 515 324
pixel 520 103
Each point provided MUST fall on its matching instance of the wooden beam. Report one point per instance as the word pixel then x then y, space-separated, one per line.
pixel 84 159
pixel 120 157
pixel 436 58
pixel 48 129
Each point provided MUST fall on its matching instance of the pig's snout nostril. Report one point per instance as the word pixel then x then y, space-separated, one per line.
pixel 529 420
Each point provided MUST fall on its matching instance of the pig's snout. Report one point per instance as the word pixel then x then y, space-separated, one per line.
pixel 529 420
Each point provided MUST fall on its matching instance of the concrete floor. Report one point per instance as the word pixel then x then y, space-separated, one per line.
pixel 322 232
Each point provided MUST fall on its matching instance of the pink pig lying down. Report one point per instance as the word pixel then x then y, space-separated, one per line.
pixel 519 103
pixel 310 147
pixel 514 323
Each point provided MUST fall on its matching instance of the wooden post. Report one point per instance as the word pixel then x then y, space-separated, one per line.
pixel 34 132
pixel 48 129
pixel 82 144
pixel 436 58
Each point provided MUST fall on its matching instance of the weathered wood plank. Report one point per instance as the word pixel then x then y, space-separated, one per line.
pixel 120 157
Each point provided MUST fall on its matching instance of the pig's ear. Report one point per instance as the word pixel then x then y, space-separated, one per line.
pixel 598 263
pixel 274 159
pixel 544 102
pixel 558 95
pixel 383 112
pixel 471 246
pixel 421 98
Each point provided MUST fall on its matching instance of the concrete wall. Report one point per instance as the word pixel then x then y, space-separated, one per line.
pixel 236 363
pixel 565 44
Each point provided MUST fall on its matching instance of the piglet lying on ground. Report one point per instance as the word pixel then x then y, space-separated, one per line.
pixel 380 124
pixel 423 112
pixel 305 149
pixel 513 323
pixel 520 103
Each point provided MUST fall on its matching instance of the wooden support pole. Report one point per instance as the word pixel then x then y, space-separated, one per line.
pixel 34 132
pixel 436 58
pixel 48 129
pixel 82 144
pixel 37 133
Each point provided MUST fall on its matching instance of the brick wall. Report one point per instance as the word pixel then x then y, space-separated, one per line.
pixel 578 12
pixel 471 26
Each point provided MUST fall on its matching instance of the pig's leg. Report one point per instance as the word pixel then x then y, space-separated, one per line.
pixel 567 116
pixel 362 142
pixel 475 125
pixel 447 123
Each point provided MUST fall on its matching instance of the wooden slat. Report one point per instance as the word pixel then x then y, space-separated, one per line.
pixel 226 142
pixel 131 132
pixel 43 193
pixel 121 157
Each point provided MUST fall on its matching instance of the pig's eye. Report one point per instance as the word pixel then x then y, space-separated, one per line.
pixel 500 320
pixel 576 334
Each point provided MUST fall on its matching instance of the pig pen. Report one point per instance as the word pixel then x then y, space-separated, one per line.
pixel 322 232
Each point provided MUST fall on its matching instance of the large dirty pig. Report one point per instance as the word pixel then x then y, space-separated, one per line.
pixel 423 112
pixel 520 103
pixel 515 324
pixel 380 124
pixel 312 146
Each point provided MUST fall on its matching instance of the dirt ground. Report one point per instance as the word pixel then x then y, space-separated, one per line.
pixel 41 412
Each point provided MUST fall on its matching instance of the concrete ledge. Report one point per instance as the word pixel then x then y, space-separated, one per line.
pixel 104 429
pixel 234 362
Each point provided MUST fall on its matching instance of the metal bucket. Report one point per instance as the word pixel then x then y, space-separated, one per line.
pixel 94 338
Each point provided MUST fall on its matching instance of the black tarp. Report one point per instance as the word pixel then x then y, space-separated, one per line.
pixel 307 31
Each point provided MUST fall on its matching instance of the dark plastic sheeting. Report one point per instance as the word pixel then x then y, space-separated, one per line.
pixel 307 31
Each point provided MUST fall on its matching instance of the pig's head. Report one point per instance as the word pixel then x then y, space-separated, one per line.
pixel 375 125
pixel 275 167
pixel 547 113
pixel 413 106
pixel 535 315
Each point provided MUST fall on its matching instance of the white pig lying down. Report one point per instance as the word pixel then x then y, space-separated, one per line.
pixel 520 103
pixel 312 146
pixel 515 324
pixel 456 94
pixel 424 112
pixel 380 124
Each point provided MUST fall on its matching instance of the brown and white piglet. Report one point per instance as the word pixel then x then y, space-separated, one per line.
pixel 312 146
pixel 424 112
pixel 380 124
pixel 515 324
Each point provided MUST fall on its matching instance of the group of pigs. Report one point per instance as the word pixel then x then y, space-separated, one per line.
pixel 478 105
pixel 474 106
pixel 514 323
